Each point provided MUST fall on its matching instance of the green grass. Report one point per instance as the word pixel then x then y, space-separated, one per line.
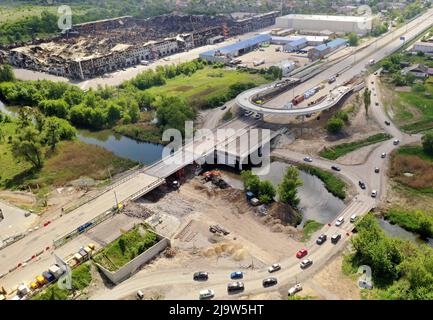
pixel 340 150
pixel 413 150
pixel 126 247
pixel 205 84
pixel 410 219
pixel 141 132
pixel 81 278
pixel 310 227
pixel 228 116
pixel 334 185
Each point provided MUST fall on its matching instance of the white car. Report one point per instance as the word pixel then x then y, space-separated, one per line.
pixel 296 288
pixel 353 218
pixel 306 263
pixel 308 159
pixel 383 155
pixel 374 194
pixel 339 221
pixel 206 294
pixel 275 267
pixel 396 142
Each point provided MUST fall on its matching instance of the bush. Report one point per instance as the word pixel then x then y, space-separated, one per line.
pixel 427 143
pixel 334 125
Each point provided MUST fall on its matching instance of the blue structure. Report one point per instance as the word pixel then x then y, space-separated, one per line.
pixel 296 45
pixel 322 50
pixel 226 53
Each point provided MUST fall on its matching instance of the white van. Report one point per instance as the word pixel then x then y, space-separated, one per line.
pixel 353 218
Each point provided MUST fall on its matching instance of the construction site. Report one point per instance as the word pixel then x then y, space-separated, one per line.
pixel 92 49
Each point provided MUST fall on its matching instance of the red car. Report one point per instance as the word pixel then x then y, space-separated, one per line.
pixel 301 253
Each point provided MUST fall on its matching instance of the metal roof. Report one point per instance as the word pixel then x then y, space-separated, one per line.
pixel 239 45
pixel 334 43
pixel 298 42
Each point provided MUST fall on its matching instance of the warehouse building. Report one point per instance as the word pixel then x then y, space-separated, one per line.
pixel 426 47
pixel 322 50
pixel 316 23
pixel 295 45
pixel 227 53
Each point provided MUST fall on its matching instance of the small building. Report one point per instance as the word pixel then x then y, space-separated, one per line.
pixel 425 47
pixel 217 39
pixel 417 70
pixel 286 67
pixel 295 45
pixel 322 50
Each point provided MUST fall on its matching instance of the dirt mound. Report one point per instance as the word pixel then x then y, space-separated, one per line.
pixel 234 250
pixel 285 214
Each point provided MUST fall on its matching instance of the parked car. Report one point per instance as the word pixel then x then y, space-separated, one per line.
pixel 236 275
pixel 235 286
pixel 308 159
pixel 374 194
pixel 321 239
pixel 275 267
pixel 206 294
pixel 362 185
pixel 270 282
pixel 140 295
pixel 335 238
pixel 387 123
pixel 301 253
pixel 383 155
pixel 257 116
pixel 248 113
pixel 339 221
pixel 293 290
pixel 353 217
pixel 306 263
pixel 376 170
pixel 377 103
pixel 396 142
pixel 201 276
pixel 335 168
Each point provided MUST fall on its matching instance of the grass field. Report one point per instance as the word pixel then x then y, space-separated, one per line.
pixel 205 84
pixel 310 227
pixel 126 247
pixel 411 220
pixel 81 278
pixel 71 160
pixel 342 149
pixel 413 168
pixel 333 184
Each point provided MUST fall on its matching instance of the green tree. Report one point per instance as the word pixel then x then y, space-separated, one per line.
pixel 27 145
pixel 367 100
pixel 172 112
pixel 288 188
pixel 251 182
pixel 6 73
pixel 58 108
pixel 266 192
pixel 114 113
pixel 334 125
pixel 353 39
pixel 427 143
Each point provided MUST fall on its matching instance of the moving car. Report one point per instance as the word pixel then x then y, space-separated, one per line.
pixel 296 288
pixel 383 155
pixel 306 263
pixel 396 142
pixel 275 267
pixel 377 170
pixel 201 276
pixel 387 123
pixel 335 238
pixel 339 221
pixel 301 253
pixel 308 159
pixel 257 116
pixel 140 295
pixel 377 103
pixel 270 282
pixel 321 239
pixel 353 218
pixel 362 185
pixel 206 294
pixel 373 194
pixel 236 275
pixel 336 168
pixel 248 113
pixel 235 286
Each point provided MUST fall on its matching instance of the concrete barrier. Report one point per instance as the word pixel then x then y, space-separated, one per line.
pixel 132 266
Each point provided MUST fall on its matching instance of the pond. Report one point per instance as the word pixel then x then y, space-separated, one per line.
pixel 395 231
pixel 316 202
pixel 143 152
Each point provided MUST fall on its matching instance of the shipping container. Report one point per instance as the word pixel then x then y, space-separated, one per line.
pixel 49 276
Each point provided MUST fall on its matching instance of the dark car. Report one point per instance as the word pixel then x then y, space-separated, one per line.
pixel 376 170
pixel 387 123
pixel 321 239
pixel 270 282
pixel 201 276
pixel 335 168
pixel 335 238
pixel 362 185
pixel 377 103
pixel 235 286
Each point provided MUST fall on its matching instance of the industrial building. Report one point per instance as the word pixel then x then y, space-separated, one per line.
pixel 316 23
pixel 426 47
pixel 227 53
pixel 295 45
pixel 322 50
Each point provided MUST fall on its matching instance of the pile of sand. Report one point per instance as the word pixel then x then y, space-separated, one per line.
pixel 234 250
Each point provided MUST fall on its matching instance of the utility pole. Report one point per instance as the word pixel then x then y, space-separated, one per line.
pixel 117 202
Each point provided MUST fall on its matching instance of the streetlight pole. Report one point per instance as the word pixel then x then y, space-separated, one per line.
pixel 117 202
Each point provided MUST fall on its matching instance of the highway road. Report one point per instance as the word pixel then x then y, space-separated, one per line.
pixel 22 250
pixel 178 283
